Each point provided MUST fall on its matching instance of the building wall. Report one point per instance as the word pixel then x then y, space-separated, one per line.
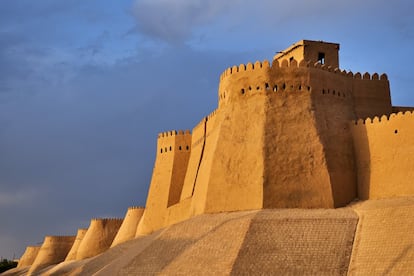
pixel 128 229
pixel 28 256
pixel 197 149
pixel 309 50
pixel 371 95
pixel 279 138
pixel 173 153
pixel 301 131
pixel 234 168
pixel 384 151
pixel 74 249
pixel 332 100
pixel 53 250
pixel 98 238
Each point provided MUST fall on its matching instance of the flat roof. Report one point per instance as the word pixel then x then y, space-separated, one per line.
pixel 300 43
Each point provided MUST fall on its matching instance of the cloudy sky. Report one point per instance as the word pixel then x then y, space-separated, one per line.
pixel 85 86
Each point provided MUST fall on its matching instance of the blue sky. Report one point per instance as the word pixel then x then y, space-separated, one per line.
pixel 85 86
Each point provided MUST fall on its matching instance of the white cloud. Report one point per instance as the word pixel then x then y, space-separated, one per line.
pixel 174 20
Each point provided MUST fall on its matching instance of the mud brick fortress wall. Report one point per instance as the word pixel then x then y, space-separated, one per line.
pixel 297 132
pixel 285 135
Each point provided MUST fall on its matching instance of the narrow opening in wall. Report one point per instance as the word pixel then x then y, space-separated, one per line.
pixel 179 147
pixel 284 86
pixel 170 148
pixel 161 150
pixel 257 87
pixel 275 88
pixel 300 87
pixel 242 91
pixel 333 92
pixel 267 86
pixel 165 150
pixel 187 148
pixel 396 131
pixel 290 59
pixel 321 58
pixel 309 88
pixel 250 88
pixel 323 91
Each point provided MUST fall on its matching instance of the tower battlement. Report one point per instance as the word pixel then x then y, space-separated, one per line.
pixel 298 132
pixel 286 75
pixel 280 137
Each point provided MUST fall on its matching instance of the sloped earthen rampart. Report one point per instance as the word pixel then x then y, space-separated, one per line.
pixel 53 251
pixel 74 250
pixel 265 242
pixel 384 244
pixel 99 237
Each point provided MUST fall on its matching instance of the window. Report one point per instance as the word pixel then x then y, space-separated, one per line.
pixel 321 58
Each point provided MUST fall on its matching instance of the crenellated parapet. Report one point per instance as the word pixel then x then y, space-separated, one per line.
pixel 241 82
pixel 136 207
pixel 106 220
pixel 173 141
pixel 384 155
pixel 385 119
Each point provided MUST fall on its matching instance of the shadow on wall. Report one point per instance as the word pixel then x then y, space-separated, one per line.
pixel 362 158
pixel 332 115
pixel 309 150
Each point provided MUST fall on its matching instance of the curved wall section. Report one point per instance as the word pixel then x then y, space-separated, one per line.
pixel 129 226
pixel 28 256
pixel 53 250
pixel 98 238
pixel 73 251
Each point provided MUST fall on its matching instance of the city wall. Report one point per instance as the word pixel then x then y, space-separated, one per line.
pixel 384 153
pixel 74 249
pixel 173 153
pixel 53 251
pixel 128 229
pixel 28 256
pixel 279 138
pixel 99 237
